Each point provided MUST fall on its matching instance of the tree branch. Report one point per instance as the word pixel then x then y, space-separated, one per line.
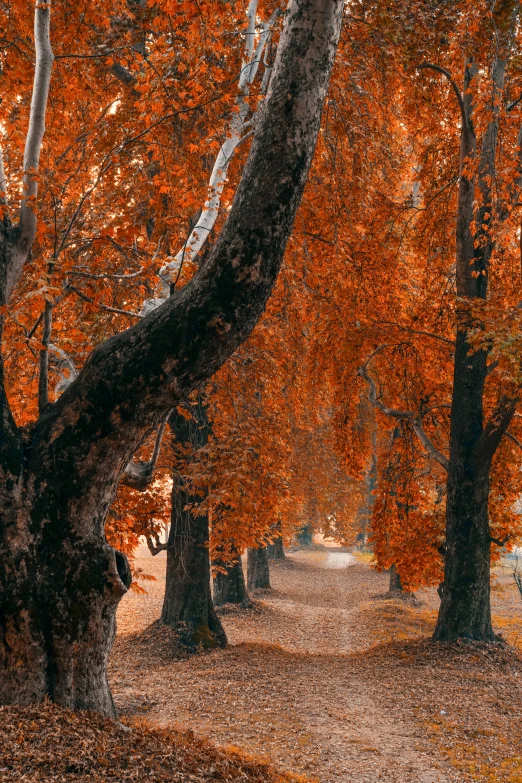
pixel 449 77
pixel 515 440
pixel 107 308
pixel 156 548
pixel 3 181
pixel 33 143
pixel 499 541
pixel 131 381
pixel 420 332
pixel 62 364
pixel 496 428
pixel 139 475
pixel 413 418
pixel 235 136
pixel 512 105
pixel 43 378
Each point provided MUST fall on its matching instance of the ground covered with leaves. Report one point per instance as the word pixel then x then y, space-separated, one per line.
pixel 46 743
pixel 327 678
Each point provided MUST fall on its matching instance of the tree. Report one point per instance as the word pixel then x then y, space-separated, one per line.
pixel 480 412
pixel 187 605
pixel 465 607
pixel 229 582
pixel 276 550
pixel 59 579
pixel 427 309
pixel 258 569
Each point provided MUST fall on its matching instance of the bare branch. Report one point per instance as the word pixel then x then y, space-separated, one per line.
pixel 123 74
pixel 139 475
pixel 65 366
pixel 35 134
pixel 235 136
pixel 107 308
pixel 499 541
pixel 428 445
pixel 453 83
pixel 3 180
pixel 413 418
pixel 515 440
pixel 107 276
pixel 496 427
pixel 419 332
pixel 263 38
pixel 156 548
pixel 43 378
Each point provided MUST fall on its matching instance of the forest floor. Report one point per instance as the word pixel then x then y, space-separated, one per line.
pixel 326 678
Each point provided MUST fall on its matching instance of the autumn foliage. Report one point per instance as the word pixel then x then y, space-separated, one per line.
pixel 368 279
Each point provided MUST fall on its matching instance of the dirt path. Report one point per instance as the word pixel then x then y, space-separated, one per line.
pixel 287 687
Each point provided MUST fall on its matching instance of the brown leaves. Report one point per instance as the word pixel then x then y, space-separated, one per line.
pixel 46 744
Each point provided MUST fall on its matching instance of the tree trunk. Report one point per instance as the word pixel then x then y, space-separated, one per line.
pixel 258 570
pixel 395 580
pixel 187 605
pixel 465 604
pixel 305 535
pixel 276 550
pixel 229 586
pixel 59 580
pixel 57 605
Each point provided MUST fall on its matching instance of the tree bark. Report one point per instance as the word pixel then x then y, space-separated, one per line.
pixel 395 580
pixel 258 570
pixel 60 582
pixel 229 585
pixel 465 604
pixel 305 535
pixel 276 550
pixel 187 605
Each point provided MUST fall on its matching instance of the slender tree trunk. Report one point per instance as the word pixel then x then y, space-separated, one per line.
pixel 258 570
pixel 187 605
pixel 364 513
pixel 229 586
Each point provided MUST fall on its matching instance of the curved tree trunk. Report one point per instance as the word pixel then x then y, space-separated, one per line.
pixel 229 585
pixel 59 579
pixel 258 570
pixel 187 605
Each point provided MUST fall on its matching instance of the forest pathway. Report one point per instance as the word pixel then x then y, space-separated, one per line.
pixel 288 687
